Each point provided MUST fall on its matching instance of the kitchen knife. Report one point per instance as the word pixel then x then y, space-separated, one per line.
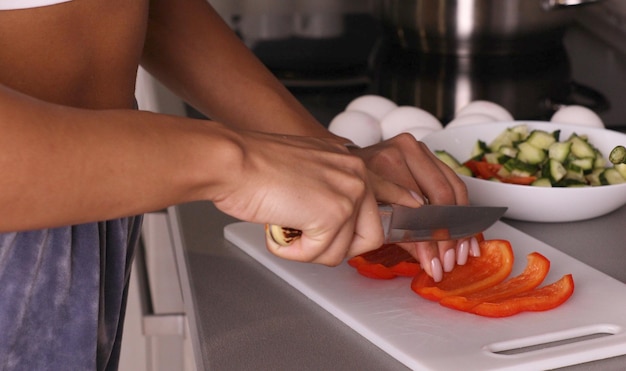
pixel 425 223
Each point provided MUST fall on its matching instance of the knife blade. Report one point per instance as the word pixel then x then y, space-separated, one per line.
pixel 425 223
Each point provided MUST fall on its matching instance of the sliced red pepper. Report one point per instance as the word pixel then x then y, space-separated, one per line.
pixel 389 261
pixel 535 272
pixel 492 267
pixel 386 262
pixel 541 299
pixel 406 268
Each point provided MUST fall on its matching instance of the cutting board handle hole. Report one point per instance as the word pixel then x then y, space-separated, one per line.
pixel 552 340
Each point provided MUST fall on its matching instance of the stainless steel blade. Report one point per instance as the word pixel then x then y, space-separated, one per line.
pixel 435 222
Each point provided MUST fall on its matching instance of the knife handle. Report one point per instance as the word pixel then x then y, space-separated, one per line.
pixel 284 236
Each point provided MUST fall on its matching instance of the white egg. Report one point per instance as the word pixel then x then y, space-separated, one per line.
pixel 375 105
pixel 419 133
pixel 486 108
pixel 470 119
pixel 404 118
pixel 359 127
pixel 577 115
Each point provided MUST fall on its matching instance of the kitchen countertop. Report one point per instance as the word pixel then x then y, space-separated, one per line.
pixel 243 317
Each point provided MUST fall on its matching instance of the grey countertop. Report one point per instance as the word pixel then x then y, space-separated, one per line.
pixel 243 317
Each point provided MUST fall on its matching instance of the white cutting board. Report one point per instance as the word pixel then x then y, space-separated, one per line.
pixel 426 336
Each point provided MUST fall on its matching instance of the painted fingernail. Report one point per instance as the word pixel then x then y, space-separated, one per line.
pixel 416 196
pixel 462 252
pixel 474 248
pixel 448 260
pixel 436 269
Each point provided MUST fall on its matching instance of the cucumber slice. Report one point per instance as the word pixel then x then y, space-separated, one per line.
pixel 554 171
pixel 507 138
pixel 585 164
pixel 508 151
pixel 496 158
pixel 621 169
pixel 447 159
pixel 542 139
pixel 581 148
pixel 479 149
pixel 559 151
pixel 516 167
pixel 530 154
pixel 463 170
pixel 593 178
pixel 611 176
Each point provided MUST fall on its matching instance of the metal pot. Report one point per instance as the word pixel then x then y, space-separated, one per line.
pixel 530 86
pixel 466 27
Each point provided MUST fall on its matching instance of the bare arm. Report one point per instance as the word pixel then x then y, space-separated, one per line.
pixel 64 165
pixel 195 53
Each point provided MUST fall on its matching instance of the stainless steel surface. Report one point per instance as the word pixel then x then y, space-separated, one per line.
pixel 436 222
pixel 479 26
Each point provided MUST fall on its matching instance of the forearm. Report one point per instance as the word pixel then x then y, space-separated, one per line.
pixel 64 166
pixel 189 46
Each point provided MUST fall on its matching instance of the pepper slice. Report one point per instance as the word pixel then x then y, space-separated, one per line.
pixel 386 262
pixel 492 267
pixel 533 275
pixel 542 299
pixel 389 261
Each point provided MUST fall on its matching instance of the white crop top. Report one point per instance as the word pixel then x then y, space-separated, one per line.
pixel 24 4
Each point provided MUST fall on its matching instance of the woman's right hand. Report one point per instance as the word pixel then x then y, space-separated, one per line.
pixel 311 184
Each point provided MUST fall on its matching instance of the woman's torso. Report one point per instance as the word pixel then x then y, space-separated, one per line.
pixel 81 53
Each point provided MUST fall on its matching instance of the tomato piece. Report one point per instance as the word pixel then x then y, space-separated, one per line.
pixel 533 275
pixel 522 180
pixel 386 262
pixel 486 170
pixel 541 299
pixel 492 267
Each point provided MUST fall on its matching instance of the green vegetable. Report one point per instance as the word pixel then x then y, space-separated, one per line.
pixel 618 155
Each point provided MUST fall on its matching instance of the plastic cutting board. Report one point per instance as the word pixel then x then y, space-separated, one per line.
pixel 420 333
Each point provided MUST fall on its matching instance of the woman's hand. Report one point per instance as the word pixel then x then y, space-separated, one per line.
pixel 411 165
pixel 311 184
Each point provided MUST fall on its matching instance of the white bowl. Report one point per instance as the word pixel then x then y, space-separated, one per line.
pixel 537 204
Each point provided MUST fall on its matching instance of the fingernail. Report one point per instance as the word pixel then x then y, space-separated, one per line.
pixel 436 270
pixel 462 252
pixel 474 248
pixel 416 196
pixel 448 260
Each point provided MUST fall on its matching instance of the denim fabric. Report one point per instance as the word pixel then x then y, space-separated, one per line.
pixel 63 295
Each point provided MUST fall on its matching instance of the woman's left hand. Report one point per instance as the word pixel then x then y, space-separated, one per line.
pixel 410 164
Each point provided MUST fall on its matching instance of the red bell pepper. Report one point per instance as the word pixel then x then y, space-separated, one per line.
pixel 535 272
pixel 386 262
pixel 492 267
pixel 541 299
